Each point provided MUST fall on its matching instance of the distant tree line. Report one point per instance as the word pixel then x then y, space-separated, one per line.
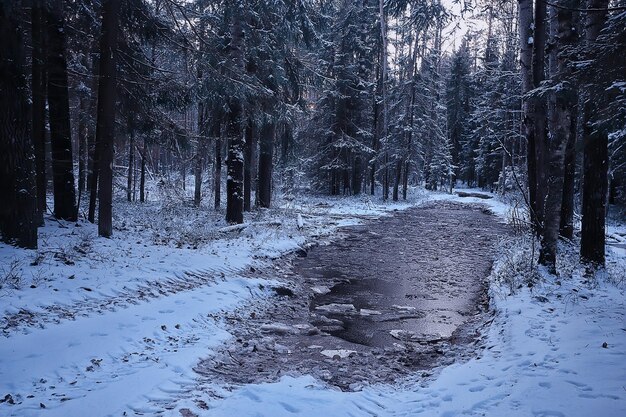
pixel 372 96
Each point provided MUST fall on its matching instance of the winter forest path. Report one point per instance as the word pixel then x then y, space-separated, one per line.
pixel 384 300
pixel 395 295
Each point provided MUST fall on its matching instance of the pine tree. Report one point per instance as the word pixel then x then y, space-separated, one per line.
pixel 595 157
pixel 105 127
pixel 59 113
pixel 18 221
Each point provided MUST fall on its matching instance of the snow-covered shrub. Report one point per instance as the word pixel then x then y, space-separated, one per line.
pixel 11 276
pixel 515 266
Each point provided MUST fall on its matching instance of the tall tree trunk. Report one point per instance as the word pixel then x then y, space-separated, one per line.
pixel 200 152
pixel 386 177
pixel 247 165
pixel 396 184
pixel 356 175
pixel 218 170
pixel 266 148
pixel 234 166
pixel 105 124
pixel 93 180
pixel 142 181
pixel 39 104
pixel 59 111
pixel 383 74
pixel 286 142
pixel 566 228
pixel 538 116
pixel 234 169
pixel 526 51
pixel 91 143
pixel 595 159
pixel 560 121
pixel 345 153
pixel 18 188
pixel 82 145
pixel 411 111
pixel 131 163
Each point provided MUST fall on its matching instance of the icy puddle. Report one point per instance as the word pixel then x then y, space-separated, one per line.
pixel 391 297
pixel 415 277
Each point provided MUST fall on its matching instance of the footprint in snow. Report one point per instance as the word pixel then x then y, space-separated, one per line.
pixel 289 407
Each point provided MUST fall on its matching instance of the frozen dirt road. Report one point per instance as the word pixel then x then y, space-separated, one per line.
pixel 390 297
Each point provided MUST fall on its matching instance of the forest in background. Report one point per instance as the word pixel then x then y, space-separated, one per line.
pixel 254 98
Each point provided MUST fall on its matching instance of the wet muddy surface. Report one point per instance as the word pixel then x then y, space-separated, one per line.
pixel 388 298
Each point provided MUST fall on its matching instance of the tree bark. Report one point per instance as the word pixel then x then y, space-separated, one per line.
pixel 142 181
pixel 218 170
pixel 59 112
pixel 396 184
pixel 286 142
pixel 131 163
pixel 18 211
pixel 356 175
pixel 234 166
pixel 566 228
pixel 82 146
pixel 266 149
pixel 247 166
pixel 538 116
pixel 200 153
pixel 39 104
pixel 560 121
pixel 105 124
pixel 595 160
pixel 234 169
pixel 383 74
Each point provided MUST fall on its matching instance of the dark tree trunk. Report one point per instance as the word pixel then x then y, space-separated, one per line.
pixel 218 170
pixel 386 177
pixel 526 51
pixel 247 166
pixel 595 160
pixel 375 136
pixel 105 124
pixel 346 172
pixel 560 121
pixel 234 166
pixel 286 142
pixel 82 146
pixel 93 180
pixel 39 105
pixel 266 148
pixel 131 163
pixel 200 153
pixel 142 181
pixel 566 228
pixel 18 188
pixel 356 176
pixel 59 112
pixel 91 142
pixel 234 133
pixel 199 160
pixel 539 116
pixel 396 184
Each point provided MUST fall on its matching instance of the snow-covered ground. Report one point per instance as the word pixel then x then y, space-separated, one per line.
pixel 98 327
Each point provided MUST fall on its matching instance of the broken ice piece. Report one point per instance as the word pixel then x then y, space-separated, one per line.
pixel 278 328
pixel 320 290
pixel 368 312
pixel 338 353
pixel 405 308
pixel 337 308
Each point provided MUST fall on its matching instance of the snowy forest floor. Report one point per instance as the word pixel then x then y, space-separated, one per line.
pixel 125 326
